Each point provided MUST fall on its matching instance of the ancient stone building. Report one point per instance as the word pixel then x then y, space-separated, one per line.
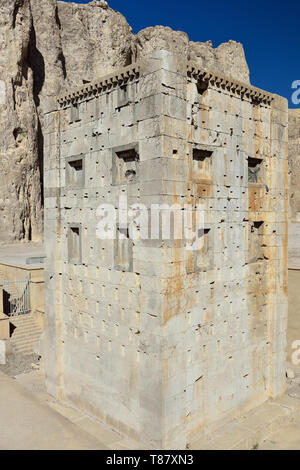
pixel 159 341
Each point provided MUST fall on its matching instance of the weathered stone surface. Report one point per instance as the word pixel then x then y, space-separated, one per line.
pixel 47 46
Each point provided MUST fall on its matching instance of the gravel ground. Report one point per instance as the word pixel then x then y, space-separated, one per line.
pixel 18 364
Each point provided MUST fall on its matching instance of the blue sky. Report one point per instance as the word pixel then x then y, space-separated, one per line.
pixel 269 31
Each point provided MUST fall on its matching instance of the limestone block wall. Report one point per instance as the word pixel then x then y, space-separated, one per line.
pixel 103 319
pixel 157 340
pixel 225 323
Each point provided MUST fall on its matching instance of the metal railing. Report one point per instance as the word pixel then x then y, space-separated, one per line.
pixel 16 297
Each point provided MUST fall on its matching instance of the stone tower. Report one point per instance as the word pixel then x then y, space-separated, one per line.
pixel 159 341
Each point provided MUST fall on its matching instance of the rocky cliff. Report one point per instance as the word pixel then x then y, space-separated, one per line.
pixel 46 46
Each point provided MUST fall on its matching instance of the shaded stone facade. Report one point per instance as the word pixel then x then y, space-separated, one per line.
pixel 158 341
pixel 294 164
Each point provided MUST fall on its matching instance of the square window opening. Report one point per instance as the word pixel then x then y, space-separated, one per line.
pixel 202 257
pixel 74 244
pixel 123 250
pixel 123 88
pixel 126 166
pixel 123 233
pixel 256 226
pixel 254 169
pixel 256 252
pixel 202 164
pixel 123 96
pixel 200 155
pixel 75 173
pixel 202 87
pixel 74 113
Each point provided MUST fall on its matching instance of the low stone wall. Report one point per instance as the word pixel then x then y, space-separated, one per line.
pixel 293 330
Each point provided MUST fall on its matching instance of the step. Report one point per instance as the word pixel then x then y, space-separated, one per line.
pixel 24 338
pixel 16 333
pixel 27 344
pixel 25 349
pixel 17 347
pixel 25 317
pixel 26 328
pixel 25 325
pixel 24 344
pixel 25 341
pixel 17 339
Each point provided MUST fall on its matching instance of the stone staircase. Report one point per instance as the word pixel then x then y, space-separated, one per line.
pixel 26 334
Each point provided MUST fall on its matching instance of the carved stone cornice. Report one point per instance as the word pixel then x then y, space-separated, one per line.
pixel 225 83
pixel 107 82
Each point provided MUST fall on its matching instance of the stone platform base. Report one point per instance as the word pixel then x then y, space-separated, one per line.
pixel 252 430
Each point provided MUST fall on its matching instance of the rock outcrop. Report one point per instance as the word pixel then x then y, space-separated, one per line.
pixel 227 59
pixel 46 46
pixel 157 38
pixel 294 163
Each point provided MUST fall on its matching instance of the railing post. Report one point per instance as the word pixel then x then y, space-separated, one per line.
pixel 4 329
pixel 29 293
pixel 1 299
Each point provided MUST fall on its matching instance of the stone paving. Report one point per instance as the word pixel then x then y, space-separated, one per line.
pixel 32 419
pixel 27 423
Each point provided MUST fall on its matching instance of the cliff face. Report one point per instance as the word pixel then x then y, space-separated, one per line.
pixel 294 163
pixel 95 39
pixel 46 46
pixel 20 193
